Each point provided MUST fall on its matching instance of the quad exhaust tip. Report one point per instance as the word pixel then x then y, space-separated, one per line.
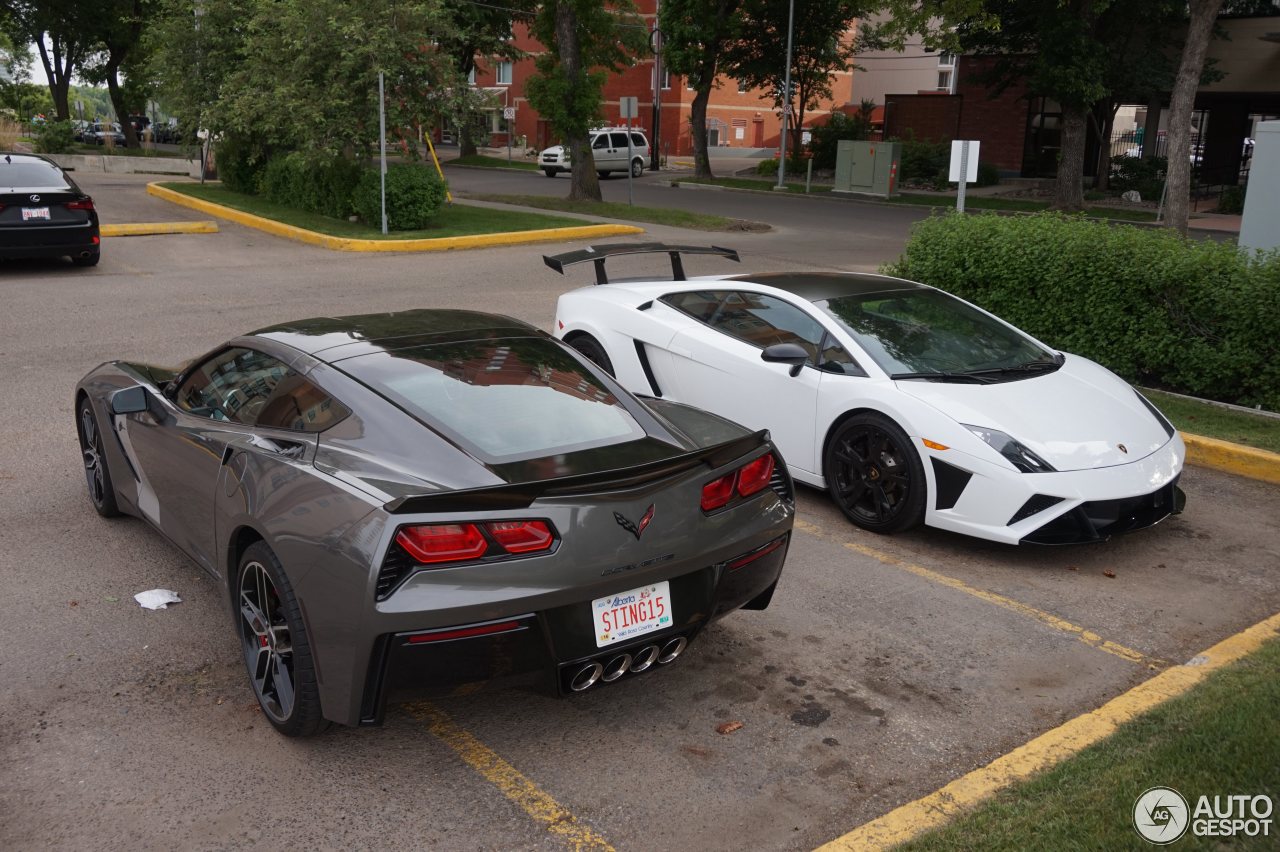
pixel 672 649
pixel 616 668
pixel 595 672
pixel 586 677
pixel 644 658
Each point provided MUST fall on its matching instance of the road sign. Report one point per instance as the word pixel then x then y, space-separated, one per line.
pixel 629 107
pixel 508 113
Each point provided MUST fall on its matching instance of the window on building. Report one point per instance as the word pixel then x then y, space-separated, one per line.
pixel 471 75
pixel 504 74
pixel 742 88
pixel 946 60
pixel 944 81
pixel 666 79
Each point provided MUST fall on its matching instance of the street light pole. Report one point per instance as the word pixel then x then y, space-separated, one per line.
pixel 786 99
pixel 655 44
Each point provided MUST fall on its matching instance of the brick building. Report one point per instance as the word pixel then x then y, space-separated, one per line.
pixel 736 117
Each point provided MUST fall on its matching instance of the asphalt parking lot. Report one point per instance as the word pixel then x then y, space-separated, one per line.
pixel 884 668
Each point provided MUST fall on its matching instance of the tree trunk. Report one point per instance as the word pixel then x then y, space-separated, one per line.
pixel 1103 180
pixel 797 132
pixel 122 109
pixel 1181 104
pixel 698 130
pixel 1151 128
pixel 1070 190
pixel 583 183
pixel 59 78
pixel 466 138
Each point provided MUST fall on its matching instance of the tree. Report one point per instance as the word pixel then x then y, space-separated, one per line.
pixel 480 30
pixel 66 26
pixel 694 34
pixel 118 36
pixel 584 40
pixel 1181 103
pixel 820 45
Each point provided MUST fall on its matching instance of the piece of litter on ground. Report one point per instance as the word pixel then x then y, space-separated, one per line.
pixel 156 598
pixel 1108 573
pixel 728 727
pixel 110 599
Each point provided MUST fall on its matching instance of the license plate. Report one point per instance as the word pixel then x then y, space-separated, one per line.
pixel 34 213
pixel 630 614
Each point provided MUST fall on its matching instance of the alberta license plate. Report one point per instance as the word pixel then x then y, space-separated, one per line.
pixel 630 614
pixel 35 213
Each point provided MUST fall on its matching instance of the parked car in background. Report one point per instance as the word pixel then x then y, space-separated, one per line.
pixel 907 404
pixel 428 498
pixel 100 132
pixel 43 213
pixel 608 149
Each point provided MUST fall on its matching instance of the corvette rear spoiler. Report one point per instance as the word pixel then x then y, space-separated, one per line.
pixel 599 254
pixel 521 495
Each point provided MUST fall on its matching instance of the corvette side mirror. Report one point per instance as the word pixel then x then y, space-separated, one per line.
pixel 129 401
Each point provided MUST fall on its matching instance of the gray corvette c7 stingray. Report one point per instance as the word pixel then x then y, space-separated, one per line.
pixel 428 498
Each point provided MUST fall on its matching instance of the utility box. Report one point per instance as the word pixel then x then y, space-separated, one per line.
pixel 867 168
pixel 1260 226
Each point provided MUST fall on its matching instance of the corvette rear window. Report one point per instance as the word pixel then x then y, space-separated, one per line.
pixel 502 400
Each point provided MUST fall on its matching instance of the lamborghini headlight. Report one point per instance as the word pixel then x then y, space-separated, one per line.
pixel 1018 455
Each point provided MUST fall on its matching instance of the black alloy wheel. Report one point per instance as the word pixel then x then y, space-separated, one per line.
pixel 549 172
pixel 276 650
pixel 96 474
pixel 637 168
pixel 592 351
pixel 875 475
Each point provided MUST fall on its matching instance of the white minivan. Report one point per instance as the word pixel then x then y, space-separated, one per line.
pixel 608 148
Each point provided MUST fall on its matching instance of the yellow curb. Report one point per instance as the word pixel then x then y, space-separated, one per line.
pixel 936 809
pixel 1233 458
pixel 279 229
pixel 142 229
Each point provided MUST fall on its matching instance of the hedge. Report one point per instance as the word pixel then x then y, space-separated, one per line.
pixel 1199 317
pixel 414 195
pixel 317 183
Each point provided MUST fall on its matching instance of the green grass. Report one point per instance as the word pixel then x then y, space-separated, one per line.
pixel 762 184
pixel 1218 739
pixel 1025 205
pixel 456 220
pixel 493 162
pixel 615 210
pixel 1213 421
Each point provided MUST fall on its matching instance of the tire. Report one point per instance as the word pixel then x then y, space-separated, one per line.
pixel 91 260
pixel 591 349
pixel 549 172
pixel 637 168
pixel 603 175
pixel 875 475
pixel 274 642
pixel 97 473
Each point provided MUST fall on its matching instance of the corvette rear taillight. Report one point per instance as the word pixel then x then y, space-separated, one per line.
pixel 83 204
pixel 521 536
pixel 718 493
pixel 432 543
pixel 435 544
pixel 752 478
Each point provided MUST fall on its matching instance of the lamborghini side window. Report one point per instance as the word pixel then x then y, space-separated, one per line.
pixel 699 304
pixel 833 358
pixel 765 320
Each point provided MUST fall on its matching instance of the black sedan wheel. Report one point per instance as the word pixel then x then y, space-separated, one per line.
pixel 96 474
pixel 592 351
pixel 276 650
pixel 875 475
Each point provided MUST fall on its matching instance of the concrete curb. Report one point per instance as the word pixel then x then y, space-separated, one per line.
pixel 279 229
pixel 142 229
pixel 937 809
pixel 1233 458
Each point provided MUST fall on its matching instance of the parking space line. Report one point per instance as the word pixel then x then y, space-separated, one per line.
pixel 938 808
pixel 509 781
pixel 1084 635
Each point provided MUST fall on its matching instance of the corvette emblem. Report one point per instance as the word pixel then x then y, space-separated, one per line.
pixel 1123 449
pixel 635 529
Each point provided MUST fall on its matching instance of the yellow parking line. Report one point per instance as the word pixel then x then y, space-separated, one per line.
pixel 936 809
pixel 1088 637
pixel 516 787
pixel 1232 458
pixel 140 229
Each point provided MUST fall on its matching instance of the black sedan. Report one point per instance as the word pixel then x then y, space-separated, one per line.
pixel 431 498
pixel 44 214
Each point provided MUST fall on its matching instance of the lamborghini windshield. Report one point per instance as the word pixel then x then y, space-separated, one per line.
pixel 928 334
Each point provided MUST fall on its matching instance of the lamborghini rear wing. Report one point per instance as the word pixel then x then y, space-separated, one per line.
pixel 599 254
pixel 520 495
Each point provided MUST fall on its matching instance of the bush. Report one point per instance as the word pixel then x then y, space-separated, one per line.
pixel 414 195
pixel 924 162
pixel 988 174
pixel 54 137
pixel 240 164
pixel 824 139
pixel 795 166
pixel 1232 200
pixel 1194 316
pixel 1146 176
pixel 317 183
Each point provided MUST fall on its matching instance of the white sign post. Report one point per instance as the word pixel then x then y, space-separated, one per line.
pixel 629 108
pixel 964 167
pixel 509 115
